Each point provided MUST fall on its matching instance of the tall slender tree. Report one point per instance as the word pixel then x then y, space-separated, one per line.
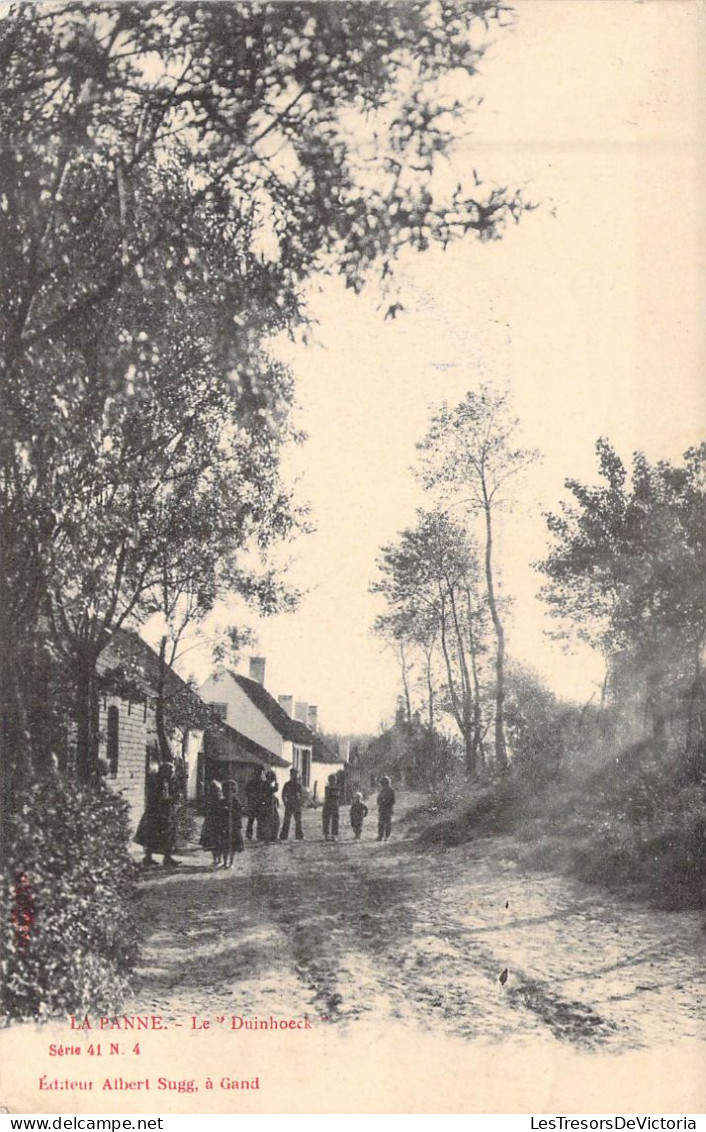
pixel 430 581
pixel 470 459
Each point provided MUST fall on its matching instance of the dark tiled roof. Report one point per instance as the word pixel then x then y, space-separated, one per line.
pixel 283 724
pixel 227 743
pixel 301 734
pixel 125 646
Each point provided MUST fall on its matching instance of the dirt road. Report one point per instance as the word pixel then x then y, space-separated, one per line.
pixel 459 940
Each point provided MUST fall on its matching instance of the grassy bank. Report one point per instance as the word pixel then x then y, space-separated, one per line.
pixel 636 824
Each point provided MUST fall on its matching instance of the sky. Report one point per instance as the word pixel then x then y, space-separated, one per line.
pixel 588 309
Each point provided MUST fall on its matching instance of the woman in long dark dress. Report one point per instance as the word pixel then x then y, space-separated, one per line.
pixel 270 806
pixel 211 830
pixel 157 829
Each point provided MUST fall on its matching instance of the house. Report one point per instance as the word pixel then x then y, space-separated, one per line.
pixel 280 726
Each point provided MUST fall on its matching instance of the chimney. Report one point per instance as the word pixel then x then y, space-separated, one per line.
pixel 287 704
pixel 312 717
pixel 301 711
pixel 257 669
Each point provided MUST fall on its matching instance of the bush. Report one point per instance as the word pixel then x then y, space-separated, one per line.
pixel 67 902
pixel 486 810
pixel 643 826
pixel 637 823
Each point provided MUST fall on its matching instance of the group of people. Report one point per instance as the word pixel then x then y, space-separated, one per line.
pixel 330 814
pixel 263 816
pixel 222 831
pixel 263 806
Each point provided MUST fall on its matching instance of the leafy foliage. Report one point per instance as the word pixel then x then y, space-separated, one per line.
pixel 414 756
pixel 645 826
pixel 68 901
pixel 540 728
pixel 626 573
pixel 486 811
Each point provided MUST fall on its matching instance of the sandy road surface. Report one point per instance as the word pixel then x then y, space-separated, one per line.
pixel 391 934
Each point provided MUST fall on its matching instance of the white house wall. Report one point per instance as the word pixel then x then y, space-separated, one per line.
pixel 193 746
pixel 243 715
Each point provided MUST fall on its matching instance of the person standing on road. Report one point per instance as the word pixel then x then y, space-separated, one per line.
pixel 157 831
pixel 210 831
pixel 270 807
pixel 293 799
pixel 231 825
pixel 254 792
pixel 386 804
pixel 359 811
pixel 330 812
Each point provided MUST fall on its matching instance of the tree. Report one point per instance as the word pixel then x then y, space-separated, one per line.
pixel 429 579
pixel 412 633
pixel 625 573
pixel 541 729
pixel 470 457
pixel 414 756
pixel 170 178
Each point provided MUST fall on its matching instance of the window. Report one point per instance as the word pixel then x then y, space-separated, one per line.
pixel 220 710
pixel 301 759
pixel 306 768
pixel 113 751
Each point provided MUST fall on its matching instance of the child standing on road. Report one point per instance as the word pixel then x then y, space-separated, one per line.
pixel 231 830
pixel 359 811
pixel 270 807
pixel 329 814
pixel 386 803
pixel 210 831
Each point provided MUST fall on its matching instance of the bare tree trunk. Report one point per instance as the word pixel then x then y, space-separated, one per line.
pixel 468 730
pixel 405 682
pixel 86 718
pixel 477 715
pixel 16 764
pixel 430 692
pixel 455 706
pixel 500 742
pixel 604 688
pixel 165 750
pixel 469 741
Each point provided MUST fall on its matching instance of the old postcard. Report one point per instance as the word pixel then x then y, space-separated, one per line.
pixel 353 608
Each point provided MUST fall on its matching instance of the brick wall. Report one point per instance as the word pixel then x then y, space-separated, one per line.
pixel 135 727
